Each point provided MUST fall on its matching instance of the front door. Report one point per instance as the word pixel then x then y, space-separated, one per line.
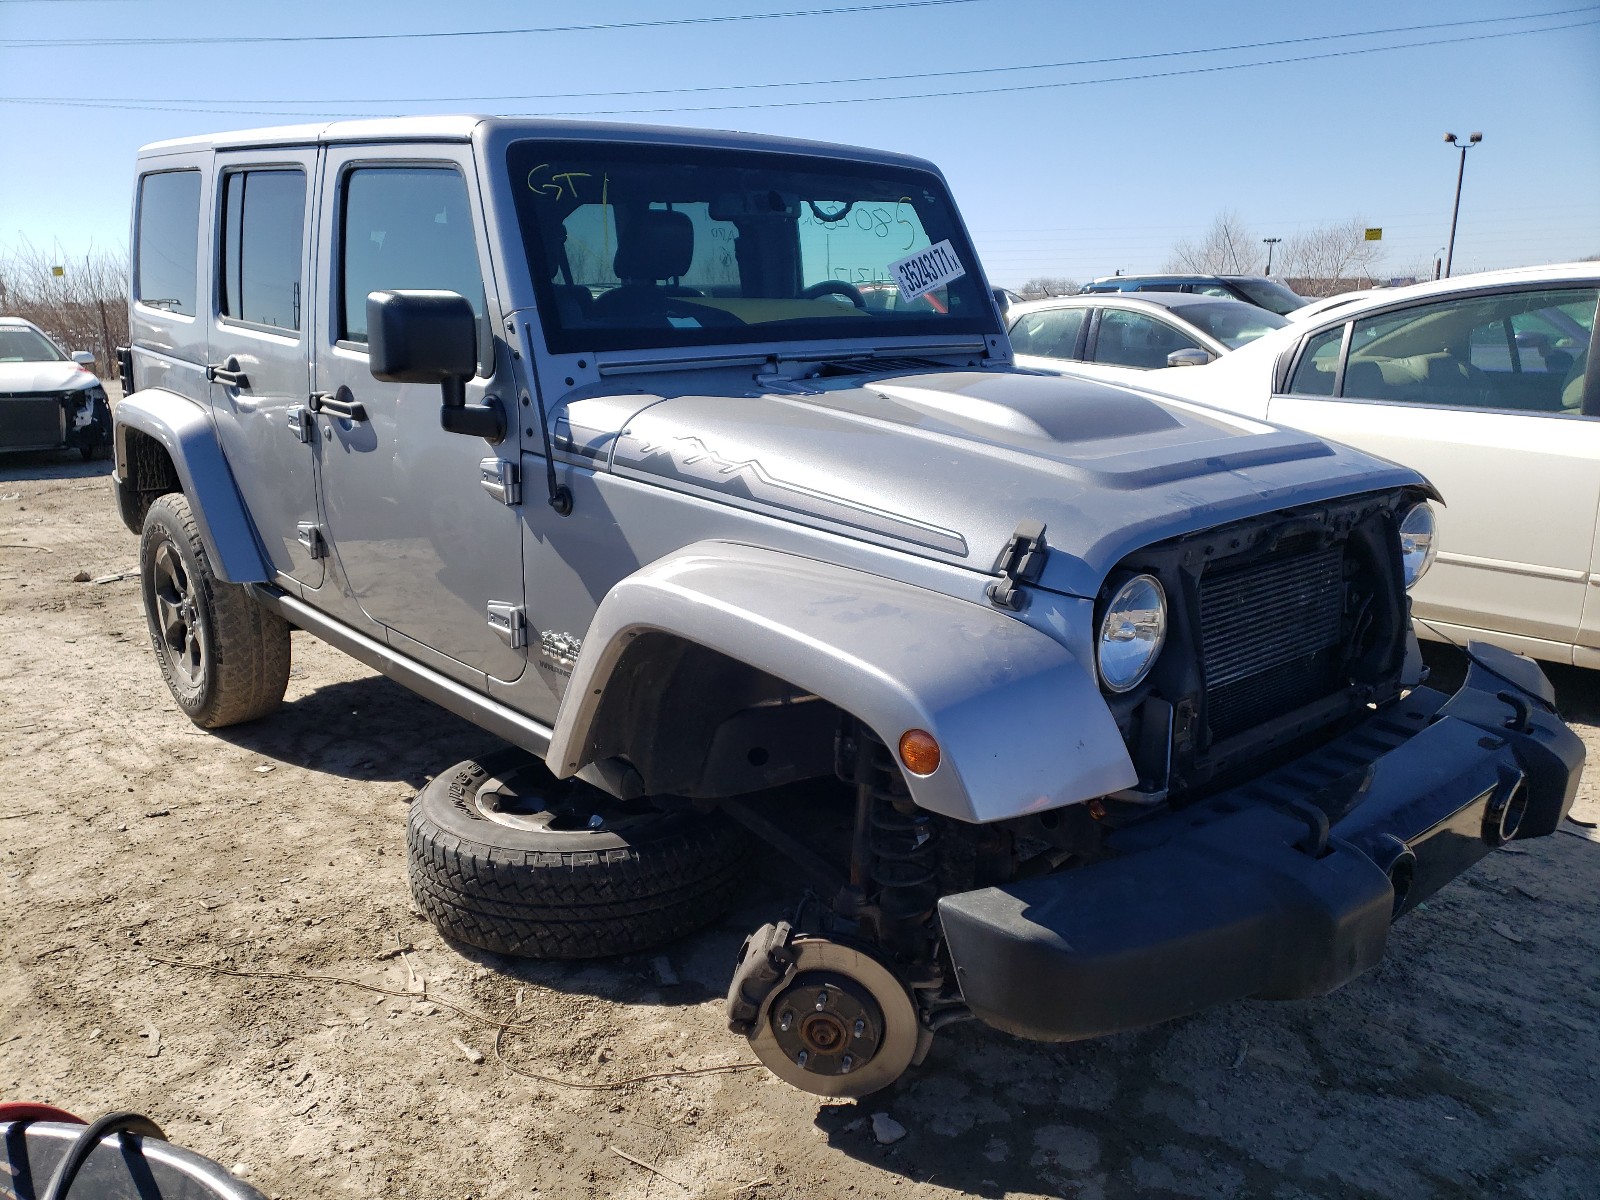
pixel 259 347
pixel 1482 394
pixel 426 549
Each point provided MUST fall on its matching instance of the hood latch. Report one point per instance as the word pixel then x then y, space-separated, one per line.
pixel 1022 561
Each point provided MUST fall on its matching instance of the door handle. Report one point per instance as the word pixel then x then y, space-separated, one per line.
pixel 228 374
pixel 341 403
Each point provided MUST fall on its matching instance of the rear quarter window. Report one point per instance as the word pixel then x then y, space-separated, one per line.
pixel 167 241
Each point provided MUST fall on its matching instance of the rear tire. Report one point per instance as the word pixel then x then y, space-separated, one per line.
pixel 224 657
pixel 502 856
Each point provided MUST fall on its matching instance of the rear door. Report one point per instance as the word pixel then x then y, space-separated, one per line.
pixel 426 548
pixel 1438 387
pixel 260 361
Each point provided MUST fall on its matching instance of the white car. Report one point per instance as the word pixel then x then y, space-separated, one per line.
pixel 49 400
pixel 1121 337
pixel 1487 384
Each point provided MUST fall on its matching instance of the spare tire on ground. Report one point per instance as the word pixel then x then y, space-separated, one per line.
pixel 506 857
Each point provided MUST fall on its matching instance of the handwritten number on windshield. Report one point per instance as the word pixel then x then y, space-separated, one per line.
pixel 911 229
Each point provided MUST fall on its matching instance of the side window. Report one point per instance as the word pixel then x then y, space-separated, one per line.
pixel 1052 333
pixel 405 227
pixel 1130 339
pixel 1520 350
pixel 168 241
pixel 263 220
pixel 1319 364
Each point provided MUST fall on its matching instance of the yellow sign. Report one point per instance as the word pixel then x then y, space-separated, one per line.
pixel 58 272
pixel 1375 235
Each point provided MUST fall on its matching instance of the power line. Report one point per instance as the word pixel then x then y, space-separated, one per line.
pixel 1013 88
pixel 811 83
pixel 730 18
pixel 1039 87
pixel 847 80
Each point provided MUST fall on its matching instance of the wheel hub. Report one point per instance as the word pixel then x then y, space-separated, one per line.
pixel 843 1026
pixel 521 800
pixel 177 614
pixel 826 1024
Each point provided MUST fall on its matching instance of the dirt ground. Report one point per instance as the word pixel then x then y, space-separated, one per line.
pixel 269 861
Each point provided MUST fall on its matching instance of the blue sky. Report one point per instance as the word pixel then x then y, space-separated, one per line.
pixel 1084 173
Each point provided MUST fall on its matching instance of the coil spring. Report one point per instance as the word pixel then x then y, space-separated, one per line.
pixel 903 847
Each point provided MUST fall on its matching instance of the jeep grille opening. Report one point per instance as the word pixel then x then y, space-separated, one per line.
pixel 1269 636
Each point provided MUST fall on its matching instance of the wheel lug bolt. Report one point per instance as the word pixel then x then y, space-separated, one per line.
pixel 786 1021
pixel 803 1057
pixel 845 1064
pixel 860 1029
pixel 822 1001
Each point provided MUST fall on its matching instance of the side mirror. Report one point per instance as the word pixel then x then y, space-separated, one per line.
pixel 1190 356
pixel 432 337
pixel 83 358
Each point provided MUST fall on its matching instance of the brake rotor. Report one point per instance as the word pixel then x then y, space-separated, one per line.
pixel 843 1026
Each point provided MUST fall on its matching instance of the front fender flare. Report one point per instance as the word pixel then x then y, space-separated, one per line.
pixel 1021 723
pixel 184 430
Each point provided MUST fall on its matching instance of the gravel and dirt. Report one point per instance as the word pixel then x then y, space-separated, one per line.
pixel 214 930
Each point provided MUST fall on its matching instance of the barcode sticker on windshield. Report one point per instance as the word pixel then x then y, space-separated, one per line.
pixel 918 274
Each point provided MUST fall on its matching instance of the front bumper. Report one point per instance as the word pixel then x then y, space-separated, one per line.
pixel 54 420
pixel 1281 888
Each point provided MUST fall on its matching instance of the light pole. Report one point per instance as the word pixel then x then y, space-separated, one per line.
pixel 1271 242
pixel 1473 140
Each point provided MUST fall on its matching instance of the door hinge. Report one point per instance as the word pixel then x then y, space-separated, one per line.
pixel 300 423
pixel 501 479
pixel 1022 561
pixel 510 621
pixel 310 536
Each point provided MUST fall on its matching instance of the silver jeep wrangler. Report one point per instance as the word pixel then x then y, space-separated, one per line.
pixel 695 466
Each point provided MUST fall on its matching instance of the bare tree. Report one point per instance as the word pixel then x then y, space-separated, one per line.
pixel 83 308
pixel 1331 258
pixel 1321 261
pixel 1228 248
pixel 1041 286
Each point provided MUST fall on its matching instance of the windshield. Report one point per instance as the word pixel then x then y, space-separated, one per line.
pixel 1230 322
pixel 635 247
pixel 20 344
pixel 1269 295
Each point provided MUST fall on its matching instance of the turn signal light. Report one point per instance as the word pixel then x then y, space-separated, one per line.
pixel 919 752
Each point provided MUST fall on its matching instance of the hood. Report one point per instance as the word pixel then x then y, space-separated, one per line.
pixel 17 378
pixel 947 464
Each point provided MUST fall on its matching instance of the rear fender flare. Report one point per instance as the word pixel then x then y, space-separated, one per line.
pixel 184 430
pixel 1021 723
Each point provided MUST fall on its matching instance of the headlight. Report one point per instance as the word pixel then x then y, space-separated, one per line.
pixel 1131 633
pixel 1417 548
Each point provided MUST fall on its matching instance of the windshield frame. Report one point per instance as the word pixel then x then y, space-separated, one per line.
pixel 907 327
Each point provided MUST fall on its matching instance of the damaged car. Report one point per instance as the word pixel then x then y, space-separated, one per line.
pixel 49 400
pixel 1070 708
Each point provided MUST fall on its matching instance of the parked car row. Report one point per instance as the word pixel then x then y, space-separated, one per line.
pixel 1259 290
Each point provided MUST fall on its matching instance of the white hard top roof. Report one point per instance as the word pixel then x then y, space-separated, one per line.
pixel 464 128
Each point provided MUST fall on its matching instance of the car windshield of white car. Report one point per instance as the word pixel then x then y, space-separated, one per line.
pixel 1231 323
pixel 635 247
pixel 27 345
